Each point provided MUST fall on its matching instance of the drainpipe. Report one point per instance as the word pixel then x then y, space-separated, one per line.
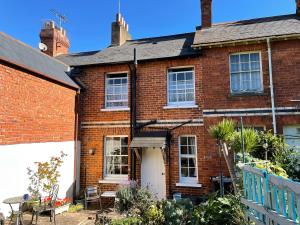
pixel 272 86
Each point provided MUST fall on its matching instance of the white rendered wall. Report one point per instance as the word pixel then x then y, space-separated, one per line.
pixel 15 159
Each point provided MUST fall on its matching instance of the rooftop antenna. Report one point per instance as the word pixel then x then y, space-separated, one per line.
pixel 119 7
pixel 61 18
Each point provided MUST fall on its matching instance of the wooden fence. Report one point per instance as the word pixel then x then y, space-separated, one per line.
pixel 270 199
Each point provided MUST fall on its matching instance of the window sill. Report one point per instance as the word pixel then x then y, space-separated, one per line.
pixel 114 181
pixel 181 107
pixel 244 94
pixel 188 185
pixel 115 109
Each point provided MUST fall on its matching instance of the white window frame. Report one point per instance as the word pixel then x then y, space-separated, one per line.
pixel 112 176
pixel 106 86
pixel 188 180
pixel 181 104
pixel 261 73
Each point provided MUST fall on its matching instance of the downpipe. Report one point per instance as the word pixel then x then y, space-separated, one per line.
pixel 272 86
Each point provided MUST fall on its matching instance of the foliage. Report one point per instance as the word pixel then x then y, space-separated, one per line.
pixel 45 176
pixel 289 160
pixel 75 208
pixel 133 199
pixel 153 215
pixel 251 140
pixel 274 142
pixel 223 130
pixel 127 221
pixel 226 211
pixel 177 212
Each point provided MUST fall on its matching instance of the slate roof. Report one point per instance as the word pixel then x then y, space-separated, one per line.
pixel 147 49
pixel 248 29
pixel 18 53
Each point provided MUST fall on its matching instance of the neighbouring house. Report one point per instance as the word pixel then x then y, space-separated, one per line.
pixel 145 105
pixel 148 103
pixel 37 117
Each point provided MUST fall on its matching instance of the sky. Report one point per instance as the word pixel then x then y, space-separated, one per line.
pixel 89 21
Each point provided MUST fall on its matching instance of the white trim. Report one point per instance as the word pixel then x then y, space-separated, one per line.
pixel 182 180
pixel 178 104
pixel 188 185
pixel 181 107
pixel 115 109
pixel 114 181
pixel 105 91
pixel 261 73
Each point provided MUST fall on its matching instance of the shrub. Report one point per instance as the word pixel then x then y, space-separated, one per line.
pixel 223 130
pixel 177 212
pixel 75 208
pixel 127 221
pixel 125 199
pixel 251 141
pixel 225 211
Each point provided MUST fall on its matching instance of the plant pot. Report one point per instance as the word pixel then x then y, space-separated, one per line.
pixel 61 209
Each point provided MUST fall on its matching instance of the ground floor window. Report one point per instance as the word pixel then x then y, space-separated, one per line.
pixel 188 159
pixel 116 157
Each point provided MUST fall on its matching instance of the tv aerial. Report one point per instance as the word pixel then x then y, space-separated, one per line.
pixel 61 17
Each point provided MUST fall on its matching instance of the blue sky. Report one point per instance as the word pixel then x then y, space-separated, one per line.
pixel 89 24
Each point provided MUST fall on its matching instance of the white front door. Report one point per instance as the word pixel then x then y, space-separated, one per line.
pixel 292 136
pixel 153 172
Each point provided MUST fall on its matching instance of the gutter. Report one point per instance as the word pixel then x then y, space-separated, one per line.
pixel 271 85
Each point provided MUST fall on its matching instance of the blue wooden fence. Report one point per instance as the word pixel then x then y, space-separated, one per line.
pixel 270 199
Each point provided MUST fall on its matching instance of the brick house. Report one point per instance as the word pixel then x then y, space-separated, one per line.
pixel 158 97
pixel 145 105
pixel 37 116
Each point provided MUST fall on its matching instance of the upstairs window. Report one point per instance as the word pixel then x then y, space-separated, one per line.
pixel 245 73
pixel 116 156
pixel 181 87
pixel 116 92
pixel 188 159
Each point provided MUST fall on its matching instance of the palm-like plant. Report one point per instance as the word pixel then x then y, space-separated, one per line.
pixel 223 132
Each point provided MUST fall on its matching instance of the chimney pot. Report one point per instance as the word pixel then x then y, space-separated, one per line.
pixel 206 13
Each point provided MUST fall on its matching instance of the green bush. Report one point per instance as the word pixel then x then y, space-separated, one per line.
pixel 177 212
pixel 220 211
pixel 127 221
pixel 75 208
pixel 125 199
pixel 251 141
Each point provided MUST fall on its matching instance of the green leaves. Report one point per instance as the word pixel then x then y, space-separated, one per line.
pixel 45 175
pixel 223 130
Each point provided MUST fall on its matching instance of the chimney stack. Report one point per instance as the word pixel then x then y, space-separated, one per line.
pixel 206 13
pixel 298 7
pixel 55 38
pixel 119 31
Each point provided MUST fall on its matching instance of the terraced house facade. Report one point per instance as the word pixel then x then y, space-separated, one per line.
pixel 158 97
pixel 145 105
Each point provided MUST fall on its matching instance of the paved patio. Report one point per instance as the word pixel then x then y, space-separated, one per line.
pixel 79 218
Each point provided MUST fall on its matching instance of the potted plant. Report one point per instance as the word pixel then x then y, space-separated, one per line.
pixel 61 205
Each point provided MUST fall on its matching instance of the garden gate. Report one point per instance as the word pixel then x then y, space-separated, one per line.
pixel 270 199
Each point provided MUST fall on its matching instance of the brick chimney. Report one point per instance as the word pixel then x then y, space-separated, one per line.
pixel 55 38
pixel 206 13
pixel 119 31
pixel 298 7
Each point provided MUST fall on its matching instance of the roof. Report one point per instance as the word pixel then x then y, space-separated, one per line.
pixel 147 49
pixel 18 53
pixel 248 29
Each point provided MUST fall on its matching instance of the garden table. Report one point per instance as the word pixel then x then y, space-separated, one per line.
pixel 18 213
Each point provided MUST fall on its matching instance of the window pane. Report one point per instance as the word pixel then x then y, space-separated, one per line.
pixel 254 57
pixel 192 162
pixel 192 172
pixel 184 162
pixel 184 172
pixel 245 58
pixel 234 58
pixel 184 150
pixel 124 170
pixel 116 91
pixel 191 141
pixel 183 140
pixel 255 66
pixel 245 67
pixel 235 67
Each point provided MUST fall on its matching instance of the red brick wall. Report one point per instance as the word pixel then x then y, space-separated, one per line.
pixel 33 109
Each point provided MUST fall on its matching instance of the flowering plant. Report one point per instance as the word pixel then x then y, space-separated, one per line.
pixel 59 202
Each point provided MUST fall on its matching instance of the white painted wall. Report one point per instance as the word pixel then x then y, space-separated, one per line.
pixel 15 159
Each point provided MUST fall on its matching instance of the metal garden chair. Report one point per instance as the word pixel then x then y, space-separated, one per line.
pixel 47 206
pixel 92 194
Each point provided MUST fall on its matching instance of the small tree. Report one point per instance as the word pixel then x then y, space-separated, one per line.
pixel 46 175
pixel 223 132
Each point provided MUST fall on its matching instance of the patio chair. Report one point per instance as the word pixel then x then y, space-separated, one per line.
pixel 92 194
pixel 46 207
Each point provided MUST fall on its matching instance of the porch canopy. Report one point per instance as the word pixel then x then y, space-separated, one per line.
pixel 157 139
